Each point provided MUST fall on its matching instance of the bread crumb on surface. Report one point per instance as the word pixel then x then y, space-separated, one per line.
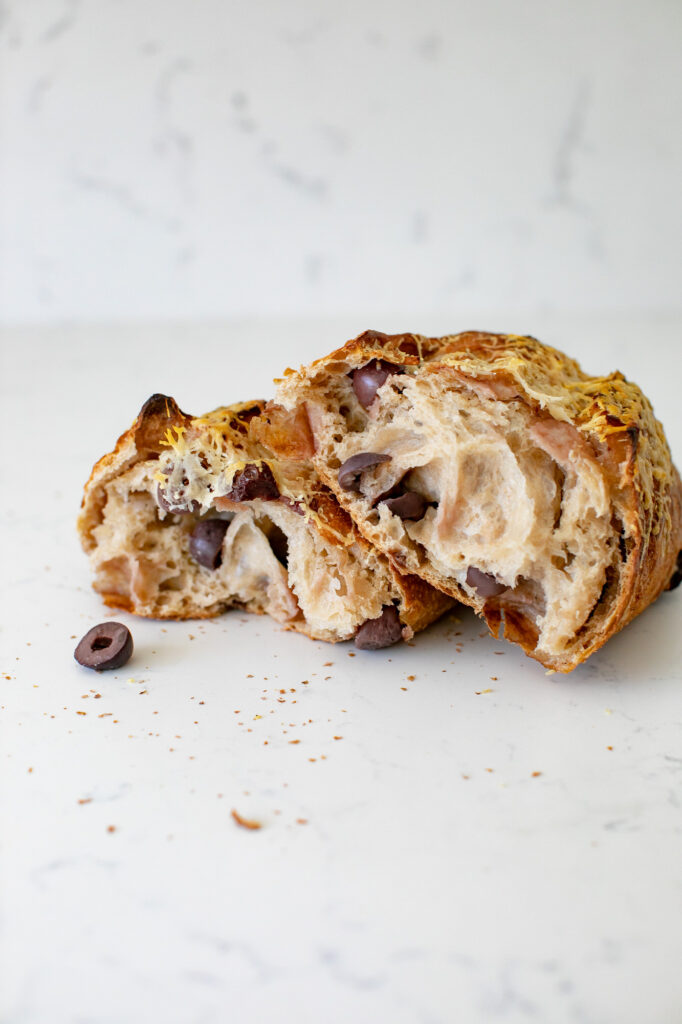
pixel 245 822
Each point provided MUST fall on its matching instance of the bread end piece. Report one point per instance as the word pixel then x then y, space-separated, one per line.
pixel 299 557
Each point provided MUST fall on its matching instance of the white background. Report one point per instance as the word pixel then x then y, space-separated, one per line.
pixel 165 159
pixel 294 173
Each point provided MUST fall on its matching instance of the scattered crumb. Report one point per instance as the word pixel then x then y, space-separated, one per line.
pixel 491 770
pixel 301 821
pixel 404 687
pixel 534 775
pixel 411 679
pixel 479 692
pixel 327 664
pixel 111 828
pixel 245 822
pixel 351 654
pixel 466 776
pixel 494 678
pixel 85 800
pixel 81 712
pixel 608 748
pixel 293 741
pixel 338 737
pixel 29 770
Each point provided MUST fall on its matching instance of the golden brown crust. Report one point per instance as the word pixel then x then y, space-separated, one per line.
pixel 141 441
pixel 613 416
pixel 422 603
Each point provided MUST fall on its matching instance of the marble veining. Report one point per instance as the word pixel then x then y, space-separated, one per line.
pixel 266 159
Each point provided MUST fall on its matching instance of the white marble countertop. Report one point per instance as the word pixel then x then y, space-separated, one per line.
pixel 448 834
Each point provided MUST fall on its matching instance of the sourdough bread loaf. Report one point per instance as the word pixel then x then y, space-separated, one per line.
pixel 498 471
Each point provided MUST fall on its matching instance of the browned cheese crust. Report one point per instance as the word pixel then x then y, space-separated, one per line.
pixel 607 421
pixel 120 520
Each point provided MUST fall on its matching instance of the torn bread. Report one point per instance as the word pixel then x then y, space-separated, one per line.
pixel 188 517
pixel 497 470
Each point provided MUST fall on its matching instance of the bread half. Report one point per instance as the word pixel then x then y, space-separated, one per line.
pixel 190 516
pixel 498 471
